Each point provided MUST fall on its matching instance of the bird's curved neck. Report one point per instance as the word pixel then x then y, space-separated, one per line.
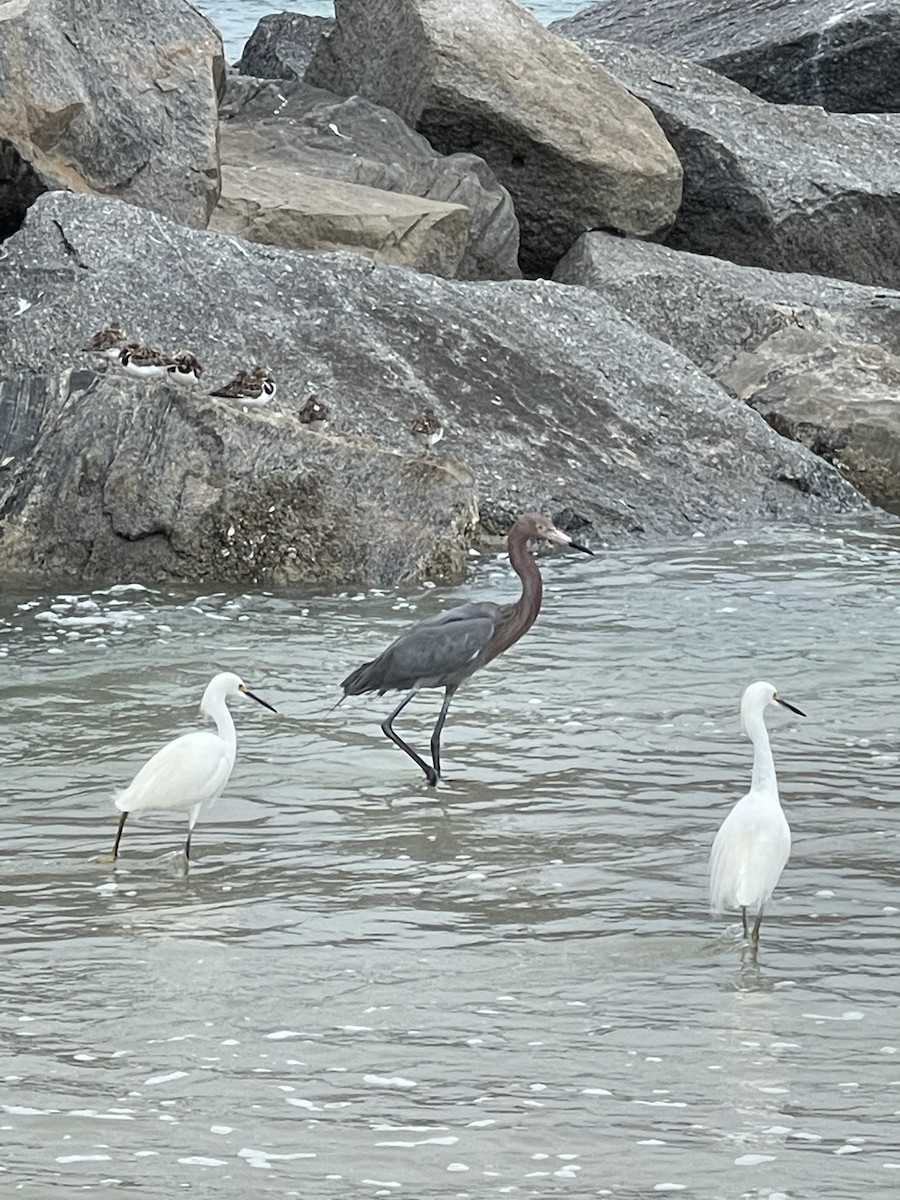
pixel 763 779
pixel 221 714
pixel 520 616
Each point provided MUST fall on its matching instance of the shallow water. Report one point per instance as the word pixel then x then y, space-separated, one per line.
pixel 509 988
pixel 236 19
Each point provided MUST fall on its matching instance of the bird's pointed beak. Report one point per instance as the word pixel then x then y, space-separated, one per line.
pixel 259 700
pixel 557 535
pixel 792 707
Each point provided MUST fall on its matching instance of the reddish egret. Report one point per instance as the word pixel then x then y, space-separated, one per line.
pixel 754 841
pixel 446 649
pixel 190 772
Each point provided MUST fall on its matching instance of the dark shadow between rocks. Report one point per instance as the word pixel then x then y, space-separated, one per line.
pixel 20 186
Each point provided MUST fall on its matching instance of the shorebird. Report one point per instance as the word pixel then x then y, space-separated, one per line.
pixel 446 649
pixel 107 343
pixel 255 386
pixel 189 773
pixel 143 362
pixel 185 367
pixel 754 841
pixel 313 410
pixel 427 429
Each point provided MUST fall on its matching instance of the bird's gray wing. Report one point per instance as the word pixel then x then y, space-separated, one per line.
pixel 440 646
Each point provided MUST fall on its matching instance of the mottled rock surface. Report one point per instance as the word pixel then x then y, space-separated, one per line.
pixel 550 398
pixel 841 54
pixel 819 358
pixel 279 206
pixel 282 44
pixel 776 186
pixel 293 126
pixel 575 150
pixel 117 99
pixel 151 481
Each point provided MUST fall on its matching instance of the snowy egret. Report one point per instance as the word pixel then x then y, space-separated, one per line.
pixel 446 649
pixel 754 841
pixel 190 772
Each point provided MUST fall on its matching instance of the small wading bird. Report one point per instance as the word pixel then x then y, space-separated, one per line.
pixel 107 343
pixel 754 841
pixel 189 773
pixel 185 367
pixel 144 362
pixel 313 410
pixel 446 649
pixel 427 429
pixel 252 387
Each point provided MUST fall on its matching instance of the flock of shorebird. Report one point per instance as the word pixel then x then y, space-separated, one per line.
pixel 252 387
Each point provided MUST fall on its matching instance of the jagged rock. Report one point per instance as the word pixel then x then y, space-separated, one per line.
pixel 293 125
pixel 574 149
pixel 550 399
pixel 819 358
pixel 282 44
pixel 282 207
pixel 841 54
pixel 776 186
pixel 118 99
pixel 838 399
pixel 151 481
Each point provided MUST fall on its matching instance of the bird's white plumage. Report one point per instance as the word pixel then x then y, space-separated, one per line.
pixel 750 852
pixel 191 770
pixel 753 843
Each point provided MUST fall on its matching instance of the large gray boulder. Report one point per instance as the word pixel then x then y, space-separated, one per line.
pixel 776 186
pixel 818 358
pixel 118 99
pixel 282 44
pixel 279 206
pixel 575 150
pixel 290 126
pixel 551 400
pixel 841 54
pixel 130 480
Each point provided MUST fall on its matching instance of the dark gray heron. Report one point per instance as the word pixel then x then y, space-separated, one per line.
pixel 446 649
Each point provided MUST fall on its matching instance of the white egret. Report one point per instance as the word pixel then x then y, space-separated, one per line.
pixel 754 841
pixel 190 772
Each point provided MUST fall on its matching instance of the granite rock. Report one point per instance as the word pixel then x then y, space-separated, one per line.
pixel 113 99
pixel 551 399
pixel 574 149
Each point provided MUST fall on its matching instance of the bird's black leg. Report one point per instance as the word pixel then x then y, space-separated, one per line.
pixel 187 846
pixel 754 936
pixel 438 729
pixel 115 849
pixel 387 726
pixel 744 920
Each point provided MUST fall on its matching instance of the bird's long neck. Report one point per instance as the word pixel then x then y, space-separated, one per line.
pixel 225 726
pixel 519 617
pixel 763 779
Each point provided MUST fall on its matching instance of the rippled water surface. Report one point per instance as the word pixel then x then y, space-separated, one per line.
pixel 236 19
pixel 508 988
